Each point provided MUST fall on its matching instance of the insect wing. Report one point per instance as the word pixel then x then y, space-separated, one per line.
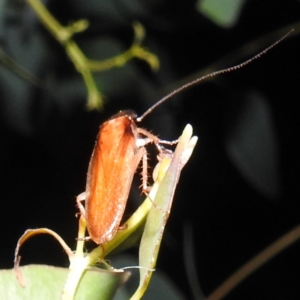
pixel 112 166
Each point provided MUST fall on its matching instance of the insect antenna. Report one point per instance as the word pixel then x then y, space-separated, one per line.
pixel 200 79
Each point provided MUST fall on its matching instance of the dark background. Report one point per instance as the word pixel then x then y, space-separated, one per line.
pixel 240 190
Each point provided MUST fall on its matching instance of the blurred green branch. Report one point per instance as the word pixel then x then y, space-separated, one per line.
pixel 85 66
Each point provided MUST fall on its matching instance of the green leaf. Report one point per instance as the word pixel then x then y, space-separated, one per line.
pixel 47 282
pixel 223 13
pixel 252 145
pixel 160 210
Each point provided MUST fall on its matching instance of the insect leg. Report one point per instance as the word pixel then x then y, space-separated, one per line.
pixel 81 197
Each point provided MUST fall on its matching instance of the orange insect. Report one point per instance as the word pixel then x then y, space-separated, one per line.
pixel 117 153
pixel 119 148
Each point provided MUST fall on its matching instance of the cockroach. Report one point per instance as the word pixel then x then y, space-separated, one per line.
pixel 119 148
pixel 117 153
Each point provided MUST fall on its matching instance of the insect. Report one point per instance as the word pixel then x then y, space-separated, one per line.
pixel 117 153
pixel 119 148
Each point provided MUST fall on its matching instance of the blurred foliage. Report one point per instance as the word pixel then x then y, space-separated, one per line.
pixel 247 124
pixel 46 282
pixel 223 13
